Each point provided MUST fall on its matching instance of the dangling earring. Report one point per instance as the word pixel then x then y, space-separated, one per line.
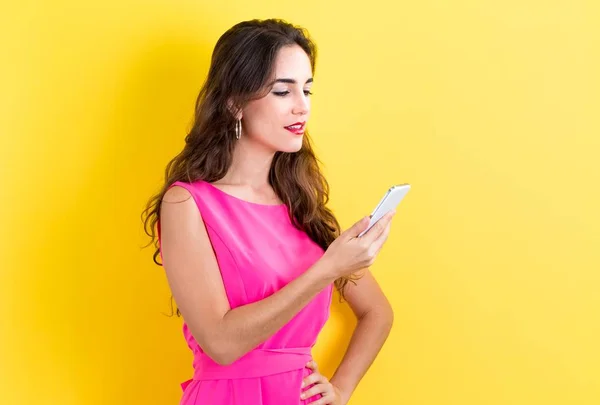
pixel 238 129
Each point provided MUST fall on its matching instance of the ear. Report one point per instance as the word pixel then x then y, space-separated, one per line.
pixel 234 110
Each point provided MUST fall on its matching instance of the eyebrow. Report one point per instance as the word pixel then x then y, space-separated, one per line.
pixel 286 80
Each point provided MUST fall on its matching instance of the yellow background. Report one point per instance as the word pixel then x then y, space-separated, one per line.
pixel 490 109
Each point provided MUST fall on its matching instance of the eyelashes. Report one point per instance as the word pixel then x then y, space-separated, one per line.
pixel 285 93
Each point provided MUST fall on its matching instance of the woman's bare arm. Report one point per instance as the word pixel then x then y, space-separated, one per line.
pixel 375 318
pixel 195 281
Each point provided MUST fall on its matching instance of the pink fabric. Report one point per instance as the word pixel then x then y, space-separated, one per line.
pixel 258 251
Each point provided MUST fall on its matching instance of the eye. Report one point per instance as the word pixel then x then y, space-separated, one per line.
pixel 285 93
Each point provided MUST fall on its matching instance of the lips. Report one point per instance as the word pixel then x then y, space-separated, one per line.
pixel 297 128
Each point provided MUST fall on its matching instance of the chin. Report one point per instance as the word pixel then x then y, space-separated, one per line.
pixel 290 147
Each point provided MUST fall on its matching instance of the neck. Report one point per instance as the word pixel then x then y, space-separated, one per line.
pixel 250 166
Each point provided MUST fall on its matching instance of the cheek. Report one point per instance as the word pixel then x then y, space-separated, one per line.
pixel 266 114
pixel 261 124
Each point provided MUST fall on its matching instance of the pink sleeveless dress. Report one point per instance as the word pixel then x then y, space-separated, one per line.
pixel 258 251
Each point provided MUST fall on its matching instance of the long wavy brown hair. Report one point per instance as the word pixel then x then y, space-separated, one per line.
pixel 241 65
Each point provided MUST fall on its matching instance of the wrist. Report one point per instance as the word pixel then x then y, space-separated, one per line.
pixel 343 395
pixel 344 386
pixel 325 270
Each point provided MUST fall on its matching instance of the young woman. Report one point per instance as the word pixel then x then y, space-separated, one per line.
pixel 250 250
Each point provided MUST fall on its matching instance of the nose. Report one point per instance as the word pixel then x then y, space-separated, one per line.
pixel 301 105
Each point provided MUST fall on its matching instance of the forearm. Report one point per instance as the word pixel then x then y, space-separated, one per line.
pixel 245 327
pixel 367 340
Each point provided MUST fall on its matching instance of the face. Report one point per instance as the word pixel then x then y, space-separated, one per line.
pixel 278 120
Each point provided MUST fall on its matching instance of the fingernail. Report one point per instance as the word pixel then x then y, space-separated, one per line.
pixel 303 384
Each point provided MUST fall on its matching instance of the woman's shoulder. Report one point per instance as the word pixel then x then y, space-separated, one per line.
pixel 181 193
pixel 177 193
pixel 184 189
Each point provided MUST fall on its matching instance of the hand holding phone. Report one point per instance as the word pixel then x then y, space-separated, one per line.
pixel 390 201
pixel 349 253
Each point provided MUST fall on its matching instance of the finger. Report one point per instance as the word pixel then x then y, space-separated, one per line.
pixel 315 390
pixel 312 365
pixel 384 235
pixel 380 241
pixel 358 227
pixel 326 400
pixel 379 227
pixel 313 379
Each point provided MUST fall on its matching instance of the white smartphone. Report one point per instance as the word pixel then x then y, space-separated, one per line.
pixel 389 201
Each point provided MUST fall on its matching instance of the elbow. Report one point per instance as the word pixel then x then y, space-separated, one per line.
pixel 216 344
pixel 222 359
pixel 387 318
pixel 382 316
pixel 219 351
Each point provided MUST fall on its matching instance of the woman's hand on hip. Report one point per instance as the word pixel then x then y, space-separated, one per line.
pixel 330 394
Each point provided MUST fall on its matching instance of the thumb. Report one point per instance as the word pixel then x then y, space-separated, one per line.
pixel 359 226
